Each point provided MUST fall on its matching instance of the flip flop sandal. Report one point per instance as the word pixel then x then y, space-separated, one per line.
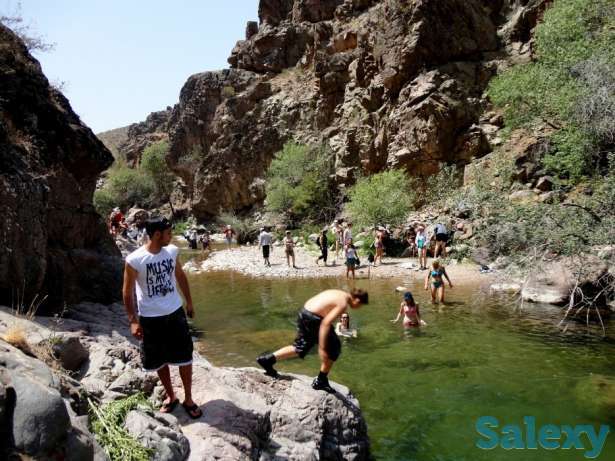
pixel 169 406
pixel 191 409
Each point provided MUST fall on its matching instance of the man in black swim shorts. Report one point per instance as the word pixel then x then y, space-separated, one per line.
pixel 315 326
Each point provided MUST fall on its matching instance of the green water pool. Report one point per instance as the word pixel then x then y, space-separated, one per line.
pixel 421 394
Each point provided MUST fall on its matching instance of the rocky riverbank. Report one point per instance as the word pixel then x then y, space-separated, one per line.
pixel 50 367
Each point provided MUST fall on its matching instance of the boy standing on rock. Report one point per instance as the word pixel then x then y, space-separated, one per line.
pixel 315 326
pixel 161 326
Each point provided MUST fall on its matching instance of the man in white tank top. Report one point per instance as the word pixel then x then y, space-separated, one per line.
pixel 154 272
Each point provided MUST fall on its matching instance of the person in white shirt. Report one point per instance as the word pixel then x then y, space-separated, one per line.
pixel 154 271
pixel 264 241
pixel 347 234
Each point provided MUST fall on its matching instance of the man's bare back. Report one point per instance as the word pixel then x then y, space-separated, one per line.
pixel 325 301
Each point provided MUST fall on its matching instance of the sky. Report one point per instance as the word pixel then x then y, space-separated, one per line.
pixel 122 59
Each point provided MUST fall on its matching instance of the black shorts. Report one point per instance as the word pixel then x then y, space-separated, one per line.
pixel 308 329
pixel 166 340
pixel 441 237
pixel 266 251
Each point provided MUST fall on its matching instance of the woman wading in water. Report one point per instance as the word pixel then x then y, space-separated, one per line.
pixel 436 275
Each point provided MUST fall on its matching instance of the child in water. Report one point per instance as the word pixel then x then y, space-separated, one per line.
pixel 437 282
pixel 410 311
pixel 343 327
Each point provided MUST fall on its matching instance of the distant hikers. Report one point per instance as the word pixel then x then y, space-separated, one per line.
pixel 315 327
pixel 229 233
pixel 352 259
pixel 421 242
pixel 323 243
pixel 343 327
pixel 289 249
pixel 192 237
pixel 410 311
pixel 117 225
pixel 436 275
pixel 338 232
pixel 347 236
pixel 379 244
pixel 154 271
pixel 441 233
pixel 265 239
pixel 205 239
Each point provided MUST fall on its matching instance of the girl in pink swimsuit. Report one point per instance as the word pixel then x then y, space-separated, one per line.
pixel 410 311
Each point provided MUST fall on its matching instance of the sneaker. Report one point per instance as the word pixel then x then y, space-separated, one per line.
pixel 322 385
pixel 266 361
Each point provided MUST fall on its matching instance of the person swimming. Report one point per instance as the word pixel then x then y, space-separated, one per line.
pixel 410 310
pixel 343 327
pixel 437 275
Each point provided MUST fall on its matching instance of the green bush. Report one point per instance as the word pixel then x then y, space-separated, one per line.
pixel 569 86
pixel 153 163
pixel 298 184
pixel 104 201
pixel 381 198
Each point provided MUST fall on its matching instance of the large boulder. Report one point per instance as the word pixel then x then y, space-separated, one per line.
pixel 40 420
pixel 49 165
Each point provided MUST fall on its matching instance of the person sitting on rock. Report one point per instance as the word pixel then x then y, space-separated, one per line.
pixel 154 271
pixel 315 326
pixel 437 283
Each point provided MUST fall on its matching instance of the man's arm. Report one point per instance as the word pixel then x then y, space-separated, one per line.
pixel 130 276
pixel 182 281
pixel 325 325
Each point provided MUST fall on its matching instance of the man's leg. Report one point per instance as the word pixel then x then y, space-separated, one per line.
pixel 165 378
pixel 185 372
pixel 321 382
pixel 267 361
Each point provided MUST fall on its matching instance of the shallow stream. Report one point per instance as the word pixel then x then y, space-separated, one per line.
pixel 422 394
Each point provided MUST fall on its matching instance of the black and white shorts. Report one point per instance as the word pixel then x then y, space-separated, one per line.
pixel 166 341
pixel 308 330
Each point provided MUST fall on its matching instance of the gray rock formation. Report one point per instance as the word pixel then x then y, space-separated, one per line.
pixel 246 415
pixel 49 163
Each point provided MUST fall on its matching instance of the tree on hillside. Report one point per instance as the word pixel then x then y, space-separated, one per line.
pixel 298 183
pixel 381 198
pixel 153 163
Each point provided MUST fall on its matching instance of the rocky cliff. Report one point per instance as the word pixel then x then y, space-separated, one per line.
pixel 381 83
pixel 49 163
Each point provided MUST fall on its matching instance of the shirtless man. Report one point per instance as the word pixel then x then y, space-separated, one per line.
pixel 315 326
